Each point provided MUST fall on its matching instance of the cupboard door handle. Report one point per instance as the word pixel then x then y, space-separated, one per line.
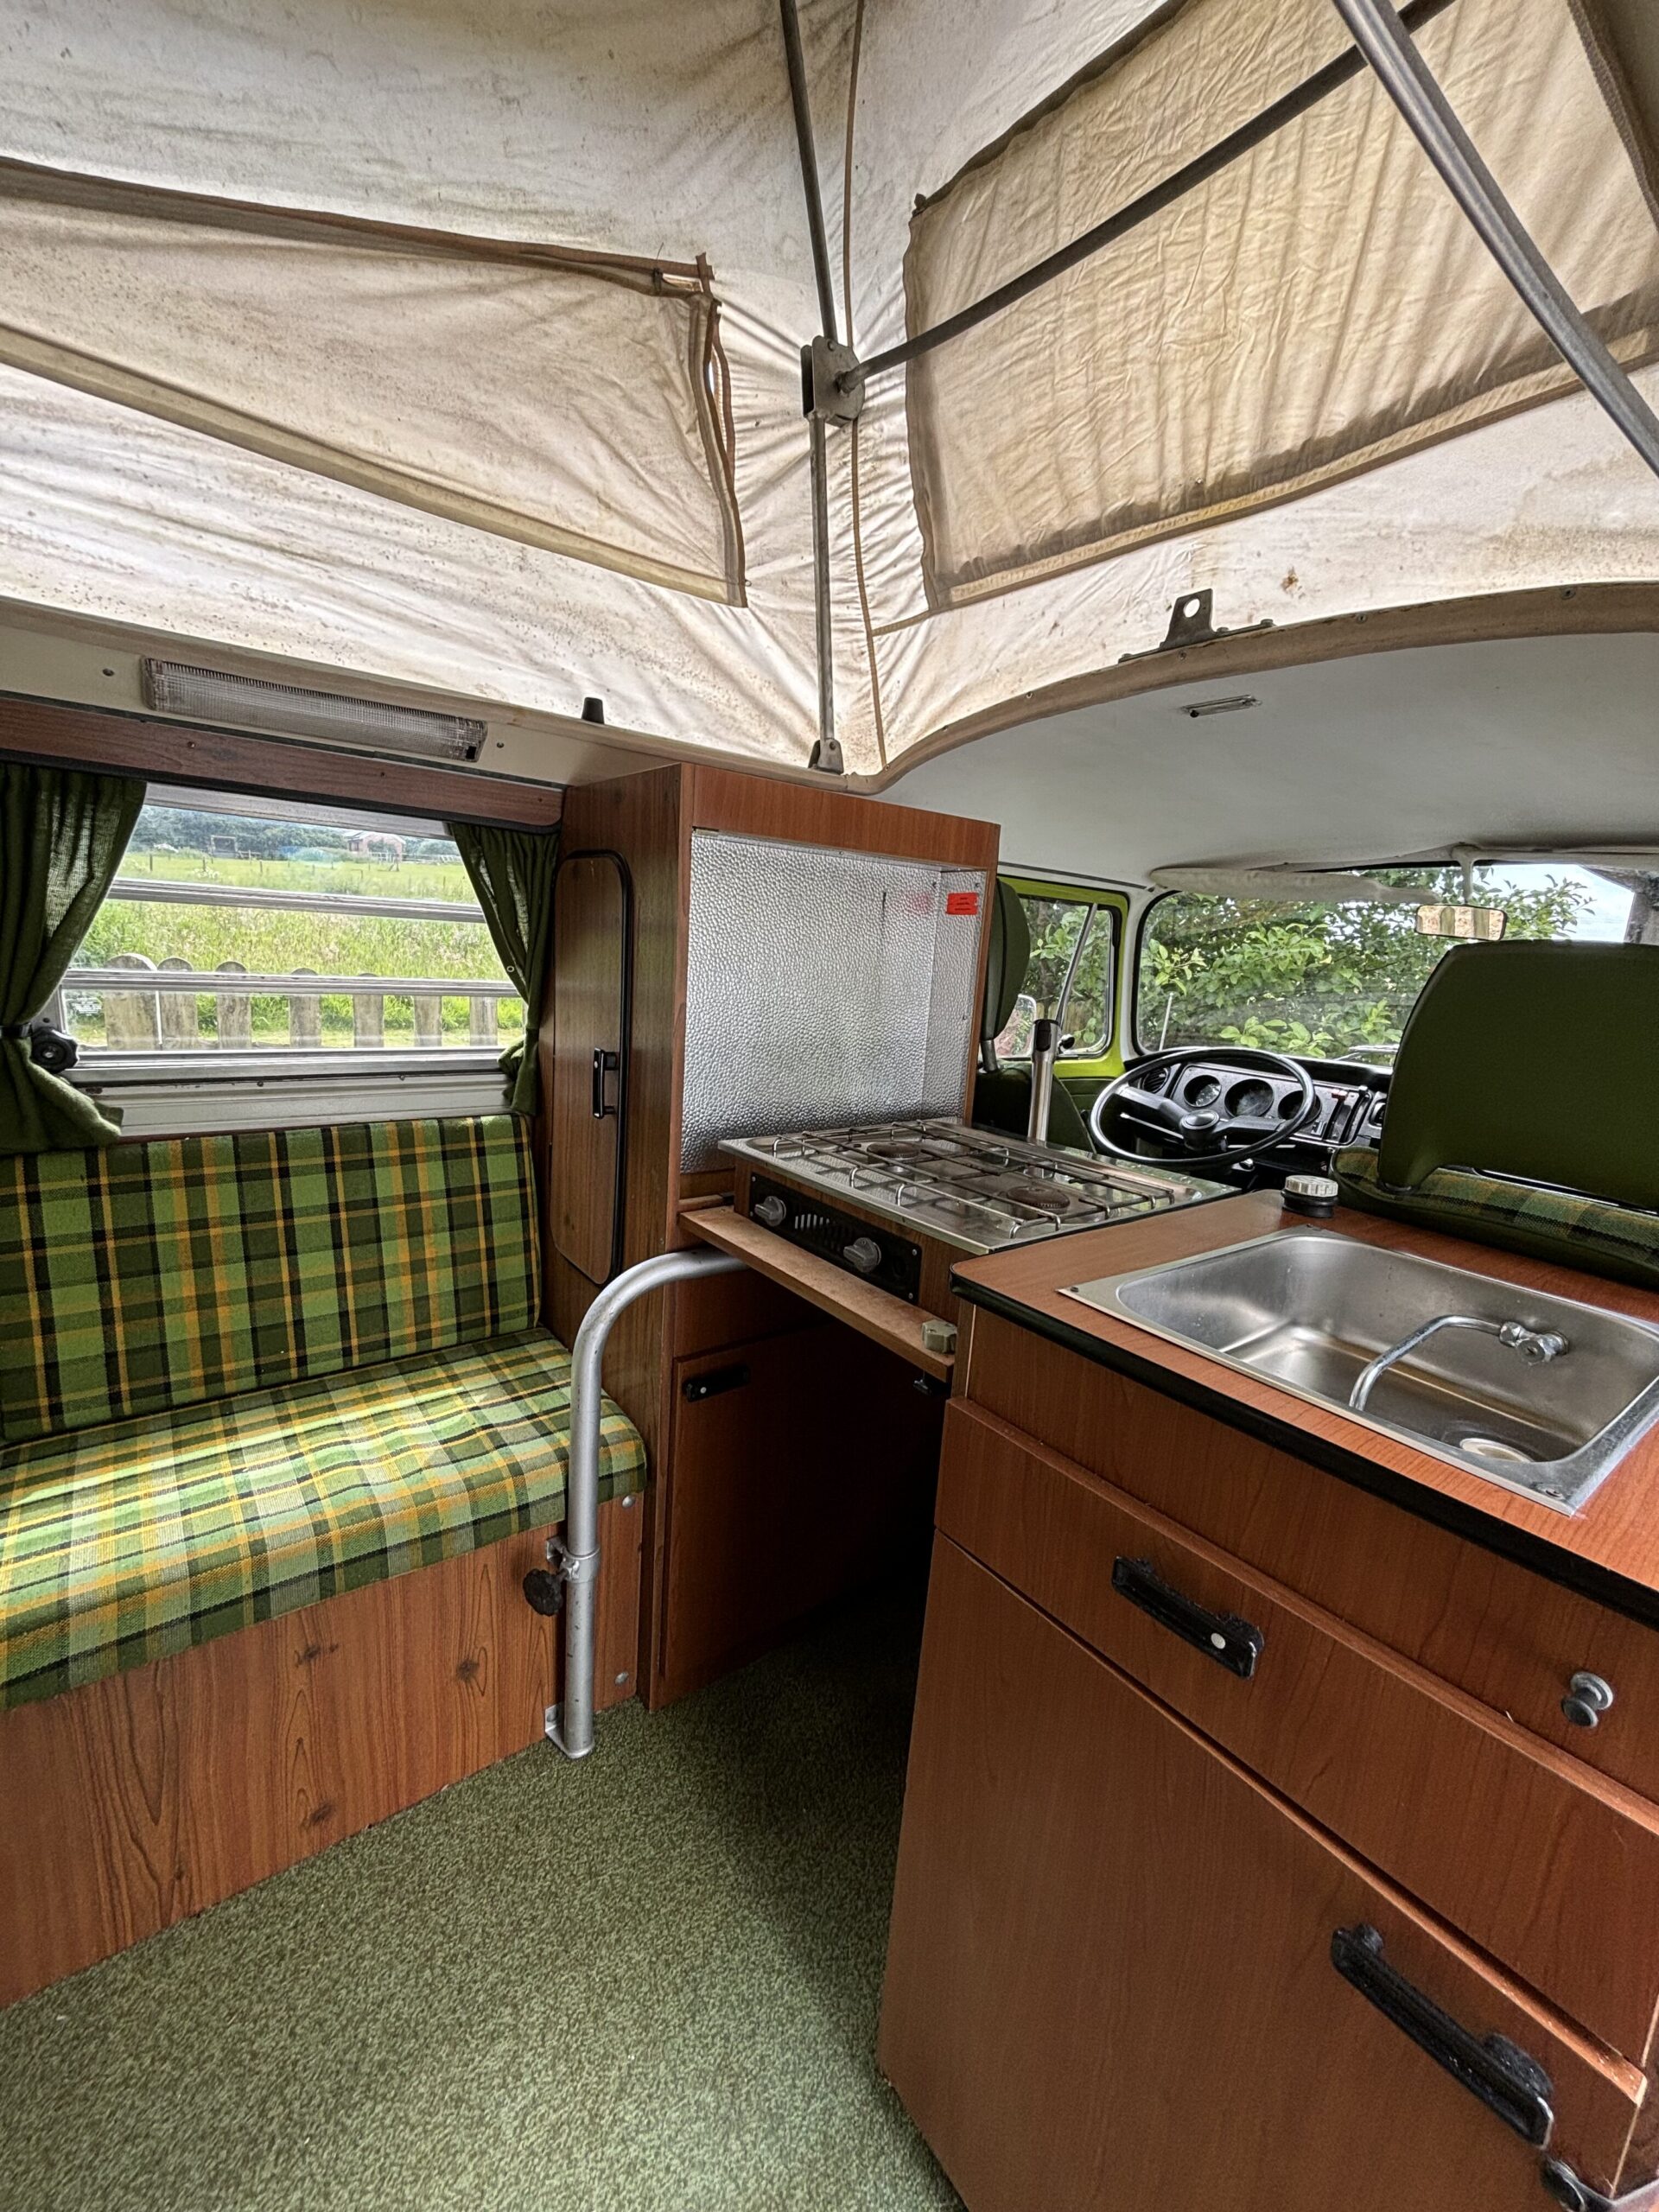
pixel 1231 1642
pixel 1498 2072
pixel 604 1064
pixel 711 1384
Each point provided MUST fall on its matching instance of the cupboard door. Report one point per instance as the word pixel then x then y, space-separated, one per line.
pixel 800 1466
pixel 1111 1981
pixel 590 979
pixel 1416 1776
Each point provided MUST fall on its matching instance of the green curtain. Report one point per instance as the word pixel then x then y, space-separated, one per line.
pixel 512 871
pixel 62 833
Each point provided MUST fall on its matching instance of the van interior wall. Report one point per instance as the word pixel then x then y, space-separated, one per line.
pixel 584 128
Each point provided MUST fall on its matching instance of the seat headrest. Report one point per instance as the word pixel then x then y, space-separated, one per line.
pixel 1006 961
pixel 1536 1061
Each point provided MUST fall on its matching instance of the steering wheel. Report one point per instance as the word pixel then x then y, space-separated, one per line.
pixel 1207 1137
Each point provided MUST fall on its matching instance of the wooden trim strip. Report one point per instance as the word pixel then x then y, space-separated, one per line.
pixel 280 767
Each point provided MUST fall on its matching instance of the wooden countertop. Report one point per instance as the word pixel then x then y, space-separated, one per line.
pixel 1609 1549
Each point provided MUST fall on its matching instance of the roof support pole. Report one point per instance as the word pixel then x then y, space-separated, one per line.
pixel 570 1725
pixel 826 753
pixel 1410 83
pixel 821 364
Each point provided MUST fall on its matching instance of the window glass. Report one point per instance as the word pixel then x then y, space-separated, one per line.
pixel 1334 979
pixel 1056 926
pixel 286 894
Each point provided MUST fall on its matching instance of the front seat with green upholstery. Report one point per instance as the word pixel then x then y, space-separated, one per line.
pixel 1002 1096
pixel 1524 1109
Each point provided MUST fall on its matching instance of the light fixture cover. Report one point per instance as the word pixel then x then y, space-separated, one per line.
pixel 287 710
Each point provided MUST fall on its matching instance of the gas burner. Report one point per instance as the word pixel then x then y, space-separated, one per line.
pixel 972 1188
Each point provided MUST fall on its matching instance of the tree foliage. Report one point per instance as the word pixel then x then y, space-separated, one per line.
pixel 1324 979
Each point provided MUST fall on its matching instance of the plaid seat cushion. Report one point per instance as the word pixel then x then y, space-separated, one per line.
pixel 146 1277
pixel 121 1544
pixel 1560 1225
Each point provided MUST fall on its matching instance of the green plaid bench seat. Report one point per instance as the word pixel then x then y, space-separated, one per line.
pixel 245 1373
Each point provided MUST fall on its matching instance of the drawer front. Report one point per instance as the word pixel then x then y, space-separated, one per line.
pixel 1549 1869
pixel 1499 1631
pixel 1112 1977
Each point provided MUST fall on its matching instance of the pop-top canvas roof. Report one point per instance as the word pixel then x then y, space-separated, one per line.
pixel 460 348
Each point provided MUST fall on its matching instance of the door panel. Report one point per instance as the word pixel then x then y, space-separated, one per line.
pixel 801 1466
pixel 1111 1982
pixel 590 950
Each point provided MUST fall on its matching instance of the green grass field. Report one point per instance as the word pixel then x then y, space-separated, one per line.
pixel 271 942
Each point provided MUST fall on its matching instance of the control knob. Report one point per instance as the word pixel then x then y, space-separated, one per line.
pixel 772 1209
pixel 864 1253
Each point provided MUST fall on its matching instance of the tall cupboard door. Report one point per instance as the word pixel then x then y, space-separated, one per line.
pixel 590 951
pixel 1123 1975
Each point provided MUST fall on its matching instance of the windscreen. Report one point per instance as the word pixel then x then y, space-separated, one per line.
pixel 1334 980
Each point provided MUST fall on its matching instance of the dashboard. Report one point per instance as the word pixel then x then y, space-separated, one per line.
pixel 1348 1100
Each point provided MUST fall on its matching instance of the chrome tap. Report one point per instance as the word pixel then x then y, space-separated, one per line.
pixel 1534 1345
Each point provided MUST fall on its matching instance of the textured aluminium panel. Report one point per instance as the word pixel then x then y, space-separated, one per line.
pixel 822 987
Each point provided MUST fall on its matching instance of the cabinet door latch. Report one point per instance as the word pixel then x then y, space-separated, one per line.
pixel 1564 2185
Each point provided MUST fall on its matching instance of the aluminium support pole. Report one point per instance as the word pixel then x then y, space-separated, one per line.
pixel 570 1725
pixel 1411 85
pixel 828 749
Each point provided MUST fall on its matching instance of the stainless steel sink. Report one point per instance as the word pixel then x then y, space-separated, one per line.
pixel 1542 1395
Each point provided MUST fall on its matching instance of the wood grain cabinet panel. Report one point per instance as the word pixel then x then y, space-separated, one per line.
pixel 588 993
pixel 801 1465
pixel 1111 1980
pixel 130 1803
pixel 1552 1870
pixel 1507 1636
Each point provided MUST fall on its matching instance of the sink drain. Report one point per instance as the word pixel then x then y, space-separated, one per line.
pixel 1494 1447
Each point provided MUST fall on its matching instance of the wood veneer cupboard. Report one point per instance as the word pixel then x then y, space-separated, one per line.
pixel 803 1465
pixel 1375 1651
pixel 649 820
pixel 1111 1982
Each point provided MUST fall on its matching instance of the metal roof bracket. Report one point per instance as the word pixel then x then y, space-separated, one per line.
pixel 1192 623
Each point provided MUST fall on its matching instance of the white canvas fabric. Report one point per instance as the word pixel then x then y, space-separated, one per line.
pixel 1323 304
pixel 489 472
pixel 575 401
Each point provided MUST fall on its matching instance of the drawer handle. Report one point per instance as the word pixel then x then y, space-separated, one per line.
pixel 1498 2072
pixel 1231 1642
pixel 711 1384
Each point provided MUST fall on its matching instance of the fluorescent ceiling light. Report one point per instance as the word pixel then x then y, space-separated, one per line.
pixel 287 710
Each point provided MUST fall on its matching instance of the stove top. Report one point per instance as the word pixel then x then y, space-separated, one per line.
pixel 973 1188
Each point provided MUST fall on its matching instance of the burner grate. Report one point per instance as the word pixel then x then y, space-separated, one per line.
pixel 974 1187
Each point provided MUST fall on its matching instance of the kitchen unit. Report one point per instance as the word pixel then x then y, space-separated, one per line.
pixel 1283 1825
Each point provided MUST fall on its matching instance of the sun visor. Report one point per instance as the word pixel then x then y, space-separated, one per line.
pixel 574 401
pixel 1317 308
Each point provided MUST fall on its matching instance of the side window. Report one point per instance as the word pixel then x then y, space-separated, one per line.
pixel 1074 939
pixel 261 928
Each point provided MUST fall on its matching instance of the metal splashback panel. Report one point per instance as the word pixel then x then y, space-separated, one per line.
pixel 822 987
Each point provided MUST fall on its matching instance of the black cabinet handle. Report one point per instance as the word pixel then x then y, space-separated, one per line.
pixel 711 1385
pixel 604 1064
pixel 1231 1642
pixel 1498 2071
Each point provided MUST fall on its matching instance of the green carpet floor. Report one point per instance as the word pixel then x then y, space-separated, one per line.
pixel 648 1984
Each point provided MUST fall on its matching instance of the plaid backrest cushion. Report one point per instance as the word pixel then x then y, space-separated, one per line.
pixel 145 1276
pixel 1575 1232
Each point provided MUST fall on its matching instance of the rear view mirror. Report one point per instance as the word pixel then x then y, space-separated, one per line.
pixel 1481 924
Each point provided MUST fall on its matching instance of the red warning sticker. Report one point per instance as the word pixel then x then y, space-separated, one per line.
pixel 961 902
